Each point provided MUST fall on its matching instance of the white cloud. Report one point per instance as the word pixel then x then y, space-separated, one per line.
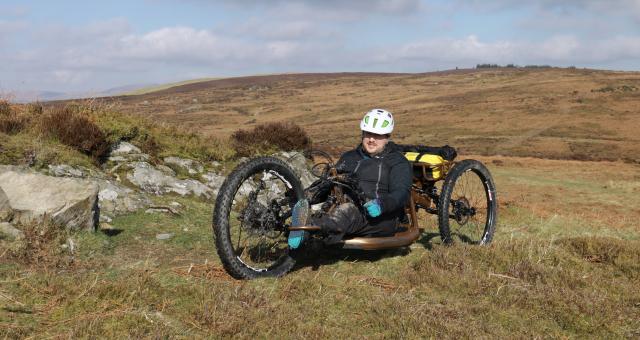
pixel 338 8
pixel 458 50
pixel 305 36
pixel 556 50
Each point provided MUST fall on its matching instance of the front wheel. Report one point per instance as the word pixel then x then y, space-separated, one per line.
pixel 468 208
pixel 251 218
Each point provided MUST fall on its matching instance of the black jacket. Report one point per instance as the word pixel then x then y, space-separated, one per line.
pixel 386 176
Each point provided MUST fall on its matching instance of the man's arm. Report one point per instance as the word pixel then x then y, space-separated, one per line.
pixel 347 162
pixel 400 178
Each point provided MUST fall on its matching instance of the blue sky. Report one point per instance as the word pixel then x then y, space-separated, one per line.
pixel 81 46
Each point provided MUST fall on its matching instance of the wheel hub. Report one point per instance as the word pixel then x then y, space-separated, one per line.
pixel 462 210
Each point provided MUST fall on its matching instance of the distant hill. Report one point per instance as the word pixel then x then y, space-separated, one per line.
pixel 550 113
pixel 32 96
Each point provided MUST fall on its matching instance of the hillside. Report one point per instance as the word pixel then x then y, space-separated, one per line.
pixel 564 262
pixel 547 113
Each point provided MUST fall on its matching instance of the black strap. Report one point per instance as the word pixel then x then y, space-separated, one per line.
pixel 446 152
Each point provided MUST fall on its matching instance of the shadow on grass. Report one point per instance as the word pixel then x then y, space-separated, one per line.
pixel 426 240
pixel 316 256
pixel 111 232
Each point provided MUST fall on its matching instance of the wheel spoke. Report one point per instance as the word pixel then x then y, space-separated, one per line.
pixel 259 244
pixel 469 206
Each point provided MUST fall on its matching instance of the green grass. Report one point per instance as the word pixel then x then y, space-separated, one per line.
pixel 157 88
pixel 562 276
pixel 33 145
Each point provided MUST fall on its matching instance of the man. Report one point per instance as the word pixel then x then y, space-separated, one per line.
pixel 384 177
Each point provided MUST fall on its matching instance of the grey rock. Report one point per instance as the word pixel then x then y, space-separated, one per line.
pixel 164 236
pixel 107 195
pixel 125 148
pixel 64 170
pixel 175 205
pixel 9 231
pixel 130 157
pixel 117 159
pixel 104 218
pixel 5 208
pixel 70 202
pixel 213 181
pixel 151 180
pixel 117 199
pixel 166 170
pixel 191 166
pixel 126 152
pixel 246 188
pixel 191 186
pixel 298 163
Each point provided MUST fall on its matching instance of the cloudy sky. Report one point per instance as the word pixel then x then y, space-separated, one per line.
pixel 95 45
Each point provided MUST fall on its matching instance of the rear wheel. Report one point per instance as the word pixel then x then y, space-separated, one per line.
pixel 467 209
pixel 251 218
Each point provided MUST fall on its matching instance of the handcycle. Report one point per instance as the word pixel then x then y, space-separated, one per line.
pixel 252 214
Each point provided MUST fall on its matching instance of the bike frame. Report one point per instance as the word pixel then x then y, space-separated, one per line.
pixel 418 199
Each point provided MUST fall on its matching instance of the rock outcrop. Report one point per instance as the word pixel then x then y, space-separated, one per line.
pixel 298 162
pixel 5 208
pixel 152 180
pixel 9 231
pixel 116 199
pixel 213 181
pixel 64 170
pixel 189 165
pixel 124 152
pixel 33 197
pixel 78 197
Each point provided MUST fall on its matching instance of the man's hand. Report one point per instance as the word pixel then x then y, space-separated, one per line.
pixel 374 208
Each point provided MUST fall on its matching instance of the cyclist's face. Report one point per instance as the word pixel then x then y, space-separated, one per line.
pixel 373 143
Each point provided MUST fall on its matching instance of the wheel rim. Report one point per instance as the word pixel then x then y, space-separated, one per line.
pixel 259 217
pixel 470 208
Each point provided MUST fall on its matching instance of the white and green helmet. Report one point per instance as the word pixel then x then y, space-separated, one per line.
pixel 377 121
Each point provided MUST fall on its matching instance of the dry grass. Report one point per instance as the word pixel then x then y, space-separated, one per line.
pixel 43 246
pixel 556 268
pixel 11 121
pixel 546 113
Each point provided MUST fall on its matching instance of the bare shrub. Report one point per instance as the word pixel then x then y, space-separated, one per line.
pixel 35 108
pixel 266 137
pixel 76 130
pixel 5 108
pixel 11 121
